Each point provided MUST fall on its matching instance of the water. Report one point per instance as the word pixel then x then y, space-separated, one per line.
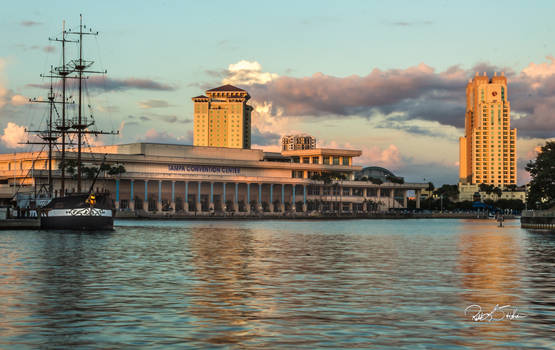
pixel 277 284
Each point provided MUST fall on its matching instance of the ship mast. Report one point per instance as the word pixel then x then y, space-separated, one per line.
pixel 63 72
pixel 80 66
pixel 48 136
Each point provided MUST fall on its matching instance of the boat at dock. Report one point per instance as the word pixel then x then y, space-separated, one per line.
pixel 80 210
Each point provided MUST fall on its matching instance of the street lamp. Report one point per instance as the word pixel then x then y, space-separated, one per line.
pixel 440 200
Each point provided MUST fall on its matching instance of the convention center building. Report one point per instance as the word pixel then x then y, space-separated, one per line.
pixel 167 178
pixel 219 173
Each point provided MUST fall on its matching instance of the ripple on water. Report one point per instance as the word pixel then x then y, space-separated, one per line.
pixel 277 284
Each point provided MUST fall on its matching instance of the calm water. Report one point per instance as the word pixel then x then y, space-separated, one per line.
pixel 277 284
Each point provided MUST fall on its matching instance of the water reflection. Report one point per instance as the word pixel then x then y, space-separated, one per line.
pixel 490 261
pixel 12 273
pixel 252 285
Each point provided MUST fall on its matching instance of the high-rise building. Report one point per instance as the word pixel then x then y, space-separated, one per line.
pixel 487 152
pixel 296 142
pixel 222 118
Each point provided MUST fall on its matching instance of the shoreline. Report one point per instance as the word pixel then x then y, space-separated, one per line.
pixel 300 216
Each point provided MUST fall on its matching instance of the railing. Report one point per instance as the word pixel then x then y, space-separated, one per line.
pixel 538 213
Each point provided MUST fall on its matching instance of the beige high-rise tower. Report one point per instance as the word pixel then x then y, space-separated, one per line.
pixel 222 118
pixel 487 152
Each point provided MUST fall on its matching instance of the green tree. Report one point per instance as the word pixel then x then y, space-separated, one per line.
pixel 448 191
pixel 542 170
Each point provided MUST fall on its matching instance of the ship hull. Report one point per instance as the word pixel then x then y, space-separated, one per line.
pixel 72 223
pixel 73 213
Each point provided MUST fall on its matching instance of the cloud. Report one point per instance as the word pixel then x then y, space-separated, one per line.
pixel 19 100
pixel 49 48
pixel 173 119
pixel 418 93
pixel 168 118
pixel 247 73
pixel 541 70
pixel 8 97
pixel 389 158
pixel 417 126
pixel 153 135
pixel 13 135
pixel 108 108
pixel 265 138
pixel 30 23
pixel 105 84
pixel 410 23
pixel 153 104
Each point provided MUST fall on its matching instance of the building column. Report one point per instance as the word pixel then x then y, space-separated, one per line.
pixel 132 198
pixel 248 206
pixel 117 194
pixel 199 204
pixel 259 204
pixel 365 199
pixel 145 201
pixel 271 204
pixel 186 201
pixel 236 201
pixel 405 199
pixel 418 193
pixel 378 197
pixel 172 203
pixel 159 203
pixel 224 206
pixel 211 205
pixel 293 204
pixel 282 204
pixel 392 198
pixel 340 203
pixel 304 199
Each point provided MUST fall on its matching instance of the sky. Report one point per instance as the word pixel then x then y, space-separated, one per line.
pixel 387 78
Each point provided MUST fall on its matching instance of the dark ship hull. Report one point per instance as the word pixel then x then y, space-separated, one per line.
pixel 73 213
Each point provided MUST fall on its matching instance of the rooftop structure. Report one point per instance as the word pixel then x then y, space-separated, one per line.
pixel 296 142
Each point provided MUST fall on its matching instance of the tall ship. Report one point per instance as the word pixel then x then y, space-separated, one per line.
pixel 83 209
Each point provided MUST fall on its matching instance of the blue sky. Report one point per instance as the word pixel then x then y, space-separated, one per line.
pixel 187 46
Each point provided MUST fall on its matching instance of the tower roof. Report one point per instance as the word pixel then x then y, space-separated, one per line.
pixel 226 87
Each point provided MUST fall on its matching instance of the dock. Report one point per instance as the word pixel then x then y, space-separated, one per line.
pixel 20 224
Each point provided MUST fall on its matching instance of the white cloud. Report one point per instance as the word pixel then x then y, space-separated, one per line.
pixel 541 70
pixel 265 119
pixel 13 135
pixel 153 104
pixel 247 73
pixel 19 100
pixel 7 96
pixel 388 157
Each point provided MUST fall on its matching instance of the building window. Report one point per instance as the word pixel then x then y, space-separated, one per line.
pixel 335 160
pixel 315 160
pixel 326 160
pixel 345 160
